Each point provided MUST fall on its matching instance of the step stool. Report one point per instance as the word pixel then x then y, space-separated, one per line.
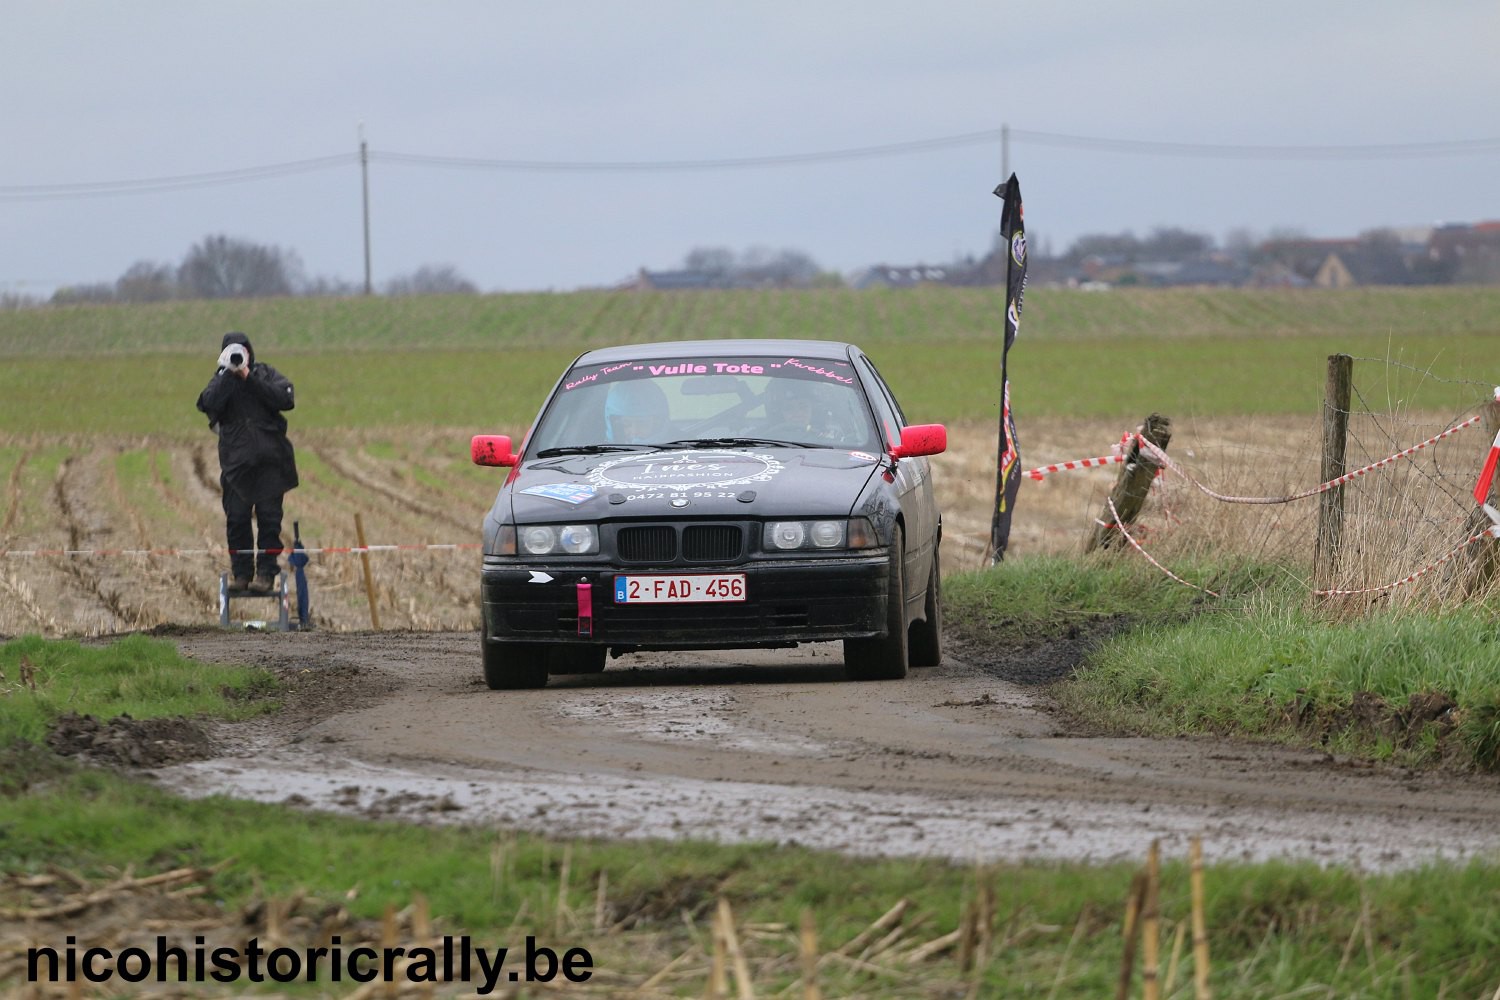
pixel 277 594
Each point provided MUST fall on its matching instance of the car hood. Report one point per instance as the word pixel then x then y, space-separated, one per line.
pixel 691 482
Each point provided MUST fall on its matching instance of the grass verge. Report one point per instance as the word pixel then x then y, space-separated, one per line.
pixel 1260 660
pixel 643 910
pixel 137 676
pixel 637 908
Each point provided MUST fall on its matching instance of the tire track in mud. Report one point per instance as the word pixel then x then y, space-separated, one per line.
pixel 22 596
pixel 208 482
pixel 419 589
pixel 176 589
pixel 347 470
pixel 193 582
pixel 20 606
pixel 454 582
pixel 172 497
pixel 32 584
pixel 13 493
pixel 425 471
pixel 115 489
pixel 72 511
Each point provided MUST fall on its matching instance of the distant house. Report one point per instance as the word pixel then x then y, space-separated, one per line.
pixel 1275 275
pixel 903 276
pixel 676 280
pixel 1304 257
pixel 1208 272
pixel 1366 264
pixel 1468 254
pixel 1333 273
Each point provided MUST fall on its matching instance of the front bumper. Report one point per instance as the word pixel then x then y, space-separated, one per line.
pixel 787 601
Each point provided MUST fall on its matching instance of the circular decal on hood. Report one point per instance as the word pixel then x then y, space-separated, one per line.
pixel 685 470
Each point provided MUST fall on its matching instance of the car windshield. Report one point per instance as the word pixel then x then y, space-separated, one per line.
pixel 718 401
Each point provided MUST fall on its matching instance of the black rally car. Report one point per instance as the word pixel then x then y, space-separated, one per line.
pixel 713 495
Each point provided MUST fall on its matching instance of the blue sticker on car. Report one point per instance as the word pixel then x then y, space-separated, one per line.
pixel 574 493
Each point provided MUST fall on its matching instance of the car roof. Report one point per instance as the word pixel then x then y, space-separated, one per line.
pixel 824 349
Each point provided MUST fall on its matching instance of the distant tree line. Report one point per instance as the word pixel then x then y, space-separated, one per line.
pixel 1448 254
pixel 222 267
pixel 756 266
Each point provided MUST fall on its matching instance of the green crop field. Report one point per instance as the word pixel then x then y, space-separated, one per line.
pixel 485 362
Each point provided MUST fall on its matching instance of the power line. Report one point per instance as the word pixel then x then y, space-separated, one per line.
pixel 157 185
pixel 1382 151
pixel 984 137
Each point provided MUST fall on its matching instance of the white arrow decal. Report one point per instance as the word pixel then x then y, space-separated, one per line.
pixel 539 577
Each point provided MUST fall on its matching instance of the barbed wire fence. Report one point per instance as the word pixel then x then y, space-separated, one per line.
pixel 1413 532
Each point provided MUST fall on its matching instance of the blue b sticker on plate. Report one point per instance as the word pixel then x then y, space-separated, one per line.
pixel 574 493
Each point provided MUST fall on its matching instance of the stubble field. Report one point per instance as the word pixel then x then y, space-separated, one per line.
pixel 142 520
pixel 102 454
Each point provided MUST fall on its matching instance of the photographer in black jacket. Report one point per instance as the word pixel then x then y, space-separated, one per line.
pixel 244 401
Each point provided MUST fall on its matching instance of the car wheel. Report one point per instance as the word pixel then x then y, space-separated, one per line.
pixel 927 636
pixel 579 659
pixel 509 666
pixel 882 659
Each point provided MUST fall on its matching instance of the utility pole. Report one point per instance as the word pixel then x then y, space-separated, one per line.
pixel 364 174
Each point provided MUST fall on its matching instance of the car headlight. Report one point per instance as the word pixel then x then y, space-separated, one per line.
pixel 826 534
pixel 851 533
pixel 785 535
pixel 578 539
pixel 558 539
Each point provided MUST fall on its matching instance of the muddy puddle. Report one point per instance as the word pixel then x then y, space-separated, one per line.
pixel 776 747
pixel 859 823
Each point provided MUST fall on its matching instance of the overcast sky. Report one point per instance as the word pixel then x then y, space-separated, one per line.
pixel 103 92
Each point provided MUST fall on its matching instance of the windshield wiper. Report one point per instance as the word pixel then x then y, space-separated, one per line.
pixel 735 442
pixel 588 449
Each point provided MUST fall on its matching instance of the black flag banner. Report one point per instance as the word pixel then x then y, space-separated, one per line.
pixel 1007 469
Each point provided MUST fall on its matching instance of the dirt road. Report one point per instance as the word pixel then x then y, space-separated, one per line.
pixel 959 761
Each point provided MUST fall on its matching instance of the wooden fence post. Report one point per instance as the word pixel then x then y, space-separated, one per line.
pixel 1335 439
pixel 359 531
pixel 1129 494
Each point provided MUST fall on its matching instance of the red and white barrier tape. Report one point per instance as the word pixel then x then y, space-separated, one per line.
pixel 1137 546
pixel 1481 495
pixel 1487 476
pixel 320 550
pixel 1493 531
pixel 1162 457
pixel 1081 463
pixel 1116 456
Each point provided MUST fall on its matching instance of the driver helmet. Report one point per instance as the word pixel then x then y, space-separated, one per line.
pixel 634 411
pixel 788 402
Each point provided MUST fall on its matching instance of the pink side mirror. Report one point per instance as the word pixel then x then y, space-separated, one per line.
pixel 921 439
pixel 491 449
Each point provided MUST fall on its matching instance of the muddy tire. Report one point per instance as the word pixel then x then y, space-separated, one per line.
pixel 579 659
pixel 927 636
pixel 513 665
pixel 884 659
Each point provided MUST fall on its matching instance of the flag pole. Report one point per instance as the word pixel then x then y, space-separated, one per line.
pixel 1007 466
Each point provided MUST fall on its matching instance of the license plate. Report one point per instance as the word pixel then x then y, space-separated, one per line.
pixel 691 588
